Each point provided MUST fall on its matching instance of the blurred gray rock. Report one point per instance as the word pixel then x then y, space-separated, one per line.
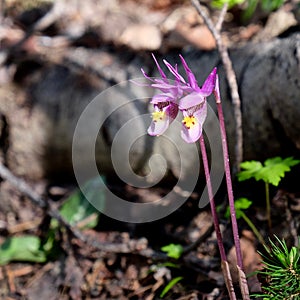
pixel 43 113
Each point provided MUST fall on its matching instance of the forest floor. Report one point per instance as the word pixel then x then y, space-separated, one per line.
pixel 110 259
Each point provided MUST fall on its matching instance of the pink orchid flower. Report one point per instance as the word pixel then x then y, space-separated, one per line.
pixel 180 95
pixel 194 106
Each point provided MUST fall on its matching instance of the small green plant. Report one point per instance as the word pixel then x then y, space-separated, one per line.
pixel 266 5
pixel 169 286
pixel 22 248
pixel 172 281
pixel 240 205
pixel 249 6
pixel 271 172
pixel 281 272
pixel 173 250
pixel 220 3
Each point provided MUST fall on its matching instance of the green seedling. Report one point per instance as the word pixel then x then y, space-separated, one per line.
pixel 22 248
pixel 271 172
pixel 172 282
pixel 220 3
pixel 169 286
pixel 240 205
pixel 281 271
pixel 173 250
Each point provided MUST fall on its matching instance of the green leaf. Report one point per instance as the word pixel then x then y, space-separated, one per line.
pixel 272 171
pixel 250 170
pixel 294 256
pixel 270 5
pixel 240 204
pixel 249 11
pixel 170 285
pixel 281 270
pixel 173 250
pixel 220 3
pixel 22 248
pixel 77 208
pixel 275 168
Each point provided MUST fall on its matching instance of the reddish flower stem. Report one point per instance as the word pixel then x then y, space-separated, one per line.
pixel 225 268
pixel 211 198
pixel 235 230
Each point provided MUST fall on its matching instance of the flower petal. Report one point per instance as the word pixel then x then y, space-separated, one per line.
pixel 192 134
pixel 163 86
pixel 210 82
pixel 201 113
pixel 146 76
pixel 162 74
pixel 158 127
pixel 192 99
pixel 174 71
pixel 189 73
pixel 162 119
pixel 172 111
pixel 161 98
pixel 192 130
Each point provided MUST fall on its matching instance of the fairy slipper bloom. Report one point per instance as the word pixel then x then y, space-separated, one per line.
pixel 165 111
pixel 194 106
pixel 165 104
pixel 180 95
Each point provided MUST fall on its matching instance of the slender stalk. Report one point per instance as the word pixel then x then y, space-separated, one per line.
pixel 225 267
pixel 253 228
pixel 211 198
pixel 268 205
pixel 242 277
pixel 235 230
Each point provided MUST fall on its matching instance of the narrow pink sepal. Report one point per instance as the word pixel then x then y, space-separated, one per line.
pixel 210 82
pixel 174 71
pixel 162 74
pixel 191 77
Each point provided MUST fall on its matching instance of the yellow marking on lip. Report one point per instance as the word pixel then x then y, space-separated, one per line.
pixel 189 122
pixel 158 115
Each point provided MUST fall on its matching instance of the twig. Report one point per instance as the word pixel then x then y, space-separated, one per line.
pixel 231 77
pixel 201 239
pixel 221 17
pixel 22 186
